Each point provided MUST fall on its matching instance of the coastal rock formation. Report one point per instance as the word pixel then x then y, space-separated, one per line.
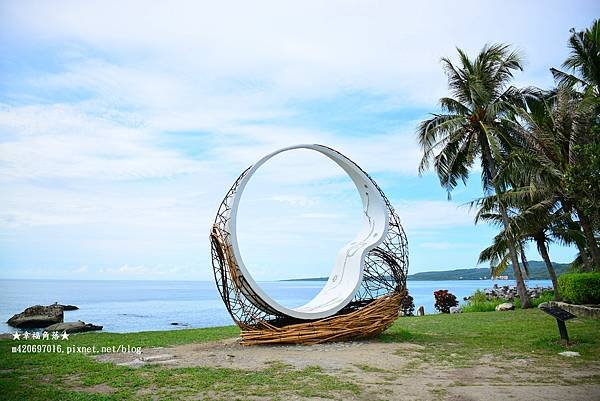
pixel 73 327
pixel 66 307
pixel 509 292
pixel 505 306
pixel 37 316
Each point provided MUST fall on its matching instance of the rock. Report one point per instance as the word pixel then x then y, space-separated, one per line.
pixel 569 353
pixel 510 293
pixel 544 305
pixel 421 311
pixel 66 307
pixel 158 358
pixel 37 316
pixel 505 306
pixel 455 309
pixel 73 327
pixel 136 363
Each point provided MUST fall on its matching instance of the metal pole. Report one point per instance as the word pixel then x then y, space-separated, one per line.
pixel 562 328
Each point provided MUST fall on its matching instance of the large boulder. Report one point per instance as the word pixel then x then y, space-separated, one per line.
pixel 505 306
pixel 73 327
pixel 456 309
pixel 421 311
pixel 66 307
pixel 37 316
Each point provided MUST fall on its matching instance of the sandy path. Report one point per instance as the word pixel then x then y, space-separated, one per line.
pixel 387 371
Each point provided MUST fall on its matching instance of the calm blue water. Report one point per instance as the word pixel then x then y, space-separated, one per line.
pixel 128 306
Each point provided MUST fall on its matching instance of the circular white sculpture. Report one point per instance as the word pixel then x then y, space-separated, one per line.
pixel 364 290
pixel 347 273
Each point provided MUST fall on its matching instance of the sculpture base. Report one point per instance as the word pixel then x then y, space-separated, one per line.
pixel 365 322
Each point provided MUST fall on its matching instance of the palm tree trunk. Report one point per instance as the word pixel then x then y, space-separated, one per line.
pixel 521 289
pixel 585 261
pixel 541 245
pixel 524 261
pixel 491 165
pixel 591 239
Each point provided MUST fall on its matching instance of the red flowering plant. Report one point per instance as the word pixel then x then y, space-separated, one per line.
pixel 444 301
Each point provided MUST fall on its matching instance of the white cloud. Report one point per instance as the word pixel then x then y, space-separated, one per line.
pixel 82 269
pixel 83 138
pixel 307 49
pixel 62 141
pixel 427 215
pixel 322 215
pixel 437 246
pixel 294 200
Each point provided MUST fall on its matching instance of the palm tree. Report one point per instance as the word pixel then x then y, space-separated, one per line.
pixel 550 129
pixel 583 61
pixel 569 232
pixel 533 222
pixel 583 65
pixel 476 125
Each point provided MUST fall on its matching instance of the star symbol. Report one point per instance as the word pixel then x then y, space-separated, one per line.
pixel 65 335
pixel 16 335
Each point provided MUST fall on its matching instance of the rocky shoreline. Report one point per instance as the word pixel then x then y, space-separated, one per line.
pixel 509 292
pixel 50 317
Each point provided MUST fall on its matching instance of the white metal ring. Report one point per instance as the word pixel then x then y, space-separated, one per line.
pixel 346 275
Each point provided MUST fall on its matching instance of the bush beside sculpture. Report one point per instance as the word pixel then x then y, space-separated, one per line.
pixel 580 288
pixel 444 301
pixel 407 306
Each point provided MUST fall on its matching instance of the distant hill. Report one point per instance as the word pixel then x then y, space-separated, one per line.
pixel 537 271
pixel 308 279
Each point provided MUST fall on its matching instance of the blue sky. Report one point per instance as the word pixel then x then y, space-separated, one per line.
pixel 122 125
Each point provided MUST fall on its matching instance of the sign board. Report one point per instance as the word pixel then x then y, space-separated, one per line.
pixel 558 313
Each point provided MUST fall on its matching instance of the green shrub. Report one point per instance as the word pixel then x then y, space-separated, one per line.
pixel 545 296
pixel 479 302
pixel 407 306
pixel 580 288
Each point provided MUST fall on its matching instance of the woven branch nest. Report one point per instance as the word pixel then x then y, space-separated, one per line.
pixel 368 321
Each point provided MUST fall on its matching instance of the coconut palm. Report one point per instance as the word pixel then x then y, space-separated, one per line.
pixel 583 74
pixel 583 61
pixel 550 130
pixel 535 222
pixel 475 125
pixel 570 234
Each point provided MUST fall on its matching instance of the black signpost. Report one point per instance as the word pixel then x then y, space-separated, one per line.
pixel 561 317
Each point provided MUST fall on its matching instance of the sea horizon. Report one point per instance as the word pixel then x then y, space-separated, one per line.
pixel 128 305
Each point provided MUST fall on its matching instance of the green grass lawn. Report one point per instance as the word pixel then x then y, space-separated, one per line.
pixel 455 340
pixel 461 338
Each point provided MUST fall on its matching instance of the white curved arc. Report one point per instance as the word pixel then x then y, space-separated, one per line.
pixel 347 272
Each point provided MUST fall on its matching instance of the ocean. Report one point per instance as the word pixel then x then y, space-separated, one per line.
pixel 131 306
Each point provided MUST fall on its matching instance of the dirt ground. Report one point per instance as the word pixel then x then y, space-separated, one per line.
pixel 390 371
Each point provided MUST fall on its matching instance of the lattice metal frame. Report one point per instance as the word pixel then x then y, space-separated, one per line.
pixel 385 270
